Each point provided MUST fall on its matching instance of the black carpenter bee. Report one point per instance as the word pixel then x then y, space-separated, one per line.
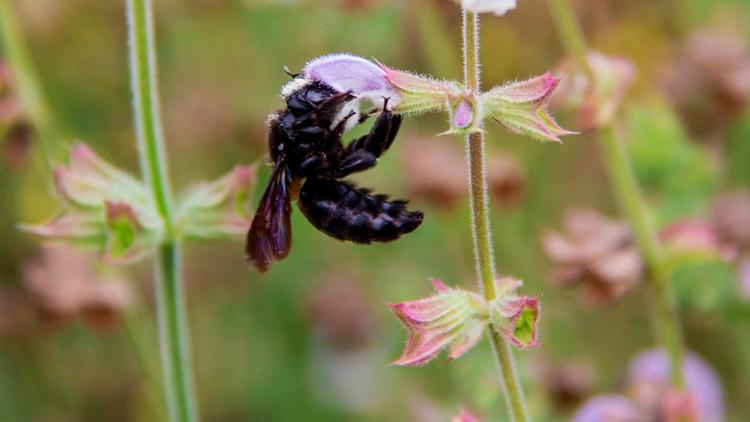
pixel 305 143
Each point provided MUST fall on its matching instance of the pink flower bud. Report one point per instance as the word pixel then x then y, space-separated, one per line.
pixel 516 317
pixel 451 318
pixel 522 315
pixel 68 226
pixel 598 101
pixel 463 117
pixel 521 107
pixel 102 207
pixel 456 318
pixel 126 238
pixel 217 209
pixel 89 180
pixel 421 94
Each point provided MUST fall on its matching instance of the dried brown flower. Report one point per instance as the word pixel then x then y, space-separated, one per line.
pixel 709 81
pixel 599 102
pixel 16 316
pixel 435 171
pixel 15 130
pixel 730 216
pixel 505 179
pixel 598 252
pixel 63 285
pixel 566 384
pixel 436 174
pixel 341 312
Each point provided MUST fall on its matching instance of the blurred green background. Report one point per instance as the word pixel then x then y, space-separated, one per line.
pixel 281 346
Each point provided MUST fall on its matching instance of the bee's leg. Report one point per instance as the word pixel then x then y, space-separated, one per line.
pixel 341 126
pixel 339 98
pixel 362 153
pixel 355 161
pixel 395 126
pixel 379 139
pixel 314 163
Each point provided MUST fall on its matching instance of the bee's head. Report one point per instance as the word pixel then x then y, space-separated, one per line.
pixel 304 96
pixel 297 84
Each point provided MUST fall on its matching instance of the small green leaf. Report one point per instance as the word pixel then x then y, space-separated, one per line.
pixel 524 331
pixel 126 238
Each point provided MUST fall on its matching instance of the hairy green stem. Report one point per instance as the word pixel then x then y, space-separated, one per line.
pixel 173 332
pixel 663 307
pixel 27 85
pixel 570 33
pixel 134 324
pixel 664 313
pixel 174 347
pixel 143 68
pixel 480 224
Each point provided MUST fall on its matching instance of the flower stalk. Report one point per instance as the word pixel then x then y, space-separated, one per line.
pixel 173 333
pixel 664 313
pixel 663 308
pixel 570 33
pixel 27 84
pixel 480 223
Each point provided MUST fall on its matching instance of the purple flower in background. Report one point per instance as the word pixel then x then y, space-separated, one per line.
pixel 595 251
pixel 609 408
pixel 648 384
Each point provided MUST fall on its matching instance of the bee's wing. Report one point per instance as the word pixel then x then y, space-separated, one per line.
pixel 270 235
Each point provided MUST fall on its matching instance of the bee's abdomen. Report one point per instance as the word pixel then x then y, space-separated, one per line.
pixel 346 212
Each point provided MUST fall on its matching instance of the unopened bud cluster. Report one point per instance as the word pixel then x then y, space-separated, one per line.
pixel 519 106
pixel 107 209
pixel 456 319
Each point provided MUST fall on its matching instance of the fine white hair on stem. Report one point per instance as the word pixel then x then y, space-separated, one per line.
pixel 480 222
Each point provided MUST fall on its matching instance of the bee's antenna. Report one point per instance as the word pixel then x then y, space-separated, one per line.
pixel 288 72
pixel 385 102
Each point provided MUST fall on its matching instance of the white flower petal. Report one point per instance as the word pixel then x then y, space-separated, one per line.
pixel 498 7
